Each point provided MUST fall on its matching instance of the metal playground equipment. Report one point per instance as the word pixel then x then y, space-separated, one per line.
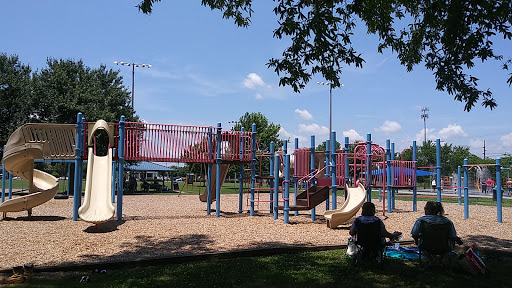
pixel 313 175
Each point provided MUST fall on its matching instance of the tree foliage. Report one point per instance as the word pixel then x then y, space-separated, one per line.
pixel 446 36
pixel 15 95
pixel 266 131
pixel 67 87
pixel 322 147
pixel 57 93
pixel 451 156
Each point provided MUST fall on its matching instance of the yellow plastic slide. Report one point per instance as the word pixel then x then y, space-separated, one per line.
pixel 356 197
pixel 36 141
pixel 97 206
pixel 223 172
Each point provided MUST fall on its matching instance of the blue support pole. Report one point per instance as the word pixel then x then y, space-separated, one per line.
pixel 388 173
pixel 369 167
pixel 271 169
pixel 327 157
pixel 509 188
pixel 253 166
pixel 276 185
pixel 327 168
pixel 312 167
pixel 392 178
pixel 10 186
pixel 241 179
pixel 120 176
pixel 438 168
pixel 286 188
pixel 415 188
pixel 466 200
pixel 295 179
pixel 459 183
pixel 77 194
pixel 347 175
pixel 113 186
pixel 4 173
pixel 217 174
pixel 333 171
pixel 209 177
pixel 499 195
pixel 69 175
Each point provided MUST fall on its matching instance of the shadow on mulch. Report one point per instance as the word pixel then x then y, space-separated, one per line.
pixel 105 227
pixel 490 245
pixel 36 218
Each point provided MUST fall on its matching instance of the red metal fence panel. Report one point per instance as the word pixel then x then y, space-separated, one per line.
pixel 181 143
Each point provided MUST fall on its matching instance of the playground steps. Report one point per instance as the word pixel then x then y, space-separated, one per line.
pixel 317 195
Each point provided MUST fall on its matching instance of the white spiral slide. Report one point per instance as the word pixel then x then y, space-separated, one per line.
pixel 97 206
pixel 36 141
pixel 356 196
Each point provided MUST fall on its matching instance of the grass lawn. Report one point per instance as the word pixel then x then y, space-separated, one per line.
pixel 308 269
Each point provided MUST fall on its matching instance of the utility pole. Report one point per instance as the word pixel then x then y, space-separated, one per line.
pixel 484 149
pixel 133 75
pixel 424 116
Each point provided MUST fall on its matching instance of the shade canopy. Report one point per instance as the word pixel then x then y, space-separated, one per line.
pixel 148 166
pixel 404 171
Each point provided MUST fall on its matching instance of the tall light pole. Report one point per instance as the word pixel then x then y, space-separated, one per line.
pixel 133 74
pixel 424 116
pixel 330 108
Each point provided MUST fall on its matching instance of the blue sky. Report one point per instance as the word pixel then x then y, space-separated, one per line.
pixel 206 70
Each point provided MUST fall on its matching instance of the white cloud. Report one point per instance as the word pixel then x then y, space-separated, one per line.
pixel 389 127
pixel 258 96
pixel 304 114
pixel 314 129
pixel 420 137
pixel 452 131
pixel 253 80
pixel 506 140
pixel 285 135
pixel 353 135
pixel 476 146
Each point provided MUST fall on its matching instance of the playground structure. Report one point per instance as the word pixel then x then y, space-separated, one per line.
pixel 97 206
pixel 29 142
pixel 315 177
pixel 355 199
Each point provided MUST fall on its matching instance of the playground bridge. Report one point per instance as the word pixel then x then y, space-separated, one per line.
pixel 181 143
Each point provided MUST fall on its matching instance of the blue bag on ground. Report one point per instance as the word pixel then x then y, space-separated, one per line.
pixel 404 253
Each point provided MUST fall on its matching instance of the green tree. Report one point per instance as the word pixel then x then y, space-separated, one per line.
pixel 266 131
pixel 321 147
pixel 446 36
pixel 67 87
pixel 15 95
pixel 451 156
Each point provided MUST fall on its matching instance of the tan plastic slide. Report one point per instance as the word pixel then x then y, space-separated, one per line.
pixel 356 197
pixel 36 141
pixel 223 173
pixel 97 206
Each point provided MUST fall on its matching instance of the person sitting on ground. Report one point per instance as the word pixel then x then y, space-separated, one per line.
pixel 434 214
pixel 368 216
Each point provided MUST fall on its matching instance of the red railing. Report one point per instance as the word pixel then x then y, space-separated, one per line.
pixel 180 143
pixel 302 162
